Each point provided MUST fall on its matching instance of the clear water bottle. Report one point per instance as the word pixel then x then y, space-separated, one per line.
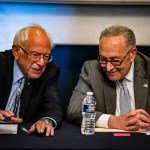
pixel 88 114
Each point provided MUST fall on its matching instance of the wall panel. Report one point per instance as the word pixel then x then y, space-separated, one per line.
pixel 73 24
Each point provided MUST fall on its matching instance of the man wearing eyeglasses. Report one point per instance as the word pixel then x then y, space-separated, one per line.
pixel 28 91
pixel 118 60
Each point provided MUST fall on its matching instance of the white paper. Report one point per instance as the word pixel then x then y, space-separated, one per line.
pixel 146 132
pixel 116 130
pixel 8 128
pixel 111 130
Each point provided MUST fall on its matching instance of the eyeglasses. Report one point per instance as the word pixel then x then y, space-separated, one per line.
pixel 115 62
pixel 37 56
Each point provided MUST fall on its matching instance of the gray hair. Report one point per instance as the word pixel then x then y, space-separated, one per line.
pixel 116 30
pixel 22 35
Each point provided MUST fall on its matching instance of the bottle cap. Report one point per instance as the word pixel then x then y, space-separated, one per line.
pixel 89 93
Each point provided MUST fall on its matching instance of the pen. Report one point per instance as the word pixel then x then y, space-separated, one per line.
pixel 25 130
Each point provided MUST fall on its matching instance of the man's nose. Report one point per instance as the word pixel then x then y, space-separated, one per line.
pixel 41 61
pixel 109 66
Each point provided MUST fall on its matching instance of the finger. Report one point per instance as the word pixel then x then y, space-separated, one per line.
pixel 139 114
pixel 32 128
pixel 143 125
pixel 40 126
pixel 16 120
pixel 132 125
pixel 144 118
pixel 11 113
pixel 49 130
pixel 2 117
pixel 132 128
pixel 131 114
pixel 132 122
pixel 52 131
pixel 141 111
pixel 8 114
pixel 46 127
pixel 37 127
pixel 139 117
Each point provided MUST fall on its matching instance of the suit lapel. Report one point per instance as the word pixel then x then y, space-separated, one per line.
pixel 110 96
pixel 25 97
pixel 140 92
pixel 140 84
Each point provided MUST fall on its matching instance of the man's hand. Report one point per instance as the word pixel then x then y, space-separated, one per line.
pixel 42 126
pixel 8 116
pixel 138 118
pixel 134 120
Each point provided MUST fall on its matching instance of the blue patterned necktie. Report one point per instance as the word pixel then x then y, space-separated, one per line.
pixel 125 102
pixel 18 94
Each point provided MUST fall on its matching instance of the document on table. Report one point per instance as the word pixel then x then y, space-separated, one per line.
pixel 117 130
pixel 8 128
pixel 111 130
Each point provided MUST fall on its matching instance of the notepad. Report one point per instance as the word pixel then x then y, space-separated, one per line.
pixel 8 128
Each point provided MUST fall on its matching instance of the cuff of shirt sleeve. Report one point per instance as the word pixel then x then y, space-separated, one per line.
pixel 103 121
pixel 52 121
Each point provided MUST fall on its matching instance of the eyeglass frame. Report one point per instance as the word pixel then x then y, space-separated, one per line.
pixel 38 55
pixel 107 59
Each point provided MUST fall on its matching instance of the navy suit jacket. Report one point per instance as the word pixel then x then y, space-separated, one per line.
pixel 39 97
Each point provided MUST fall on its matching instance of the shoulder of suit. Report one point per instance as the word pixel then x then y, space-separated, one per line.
pixel 93 62
pixel 52 67
pixel 142 57
pixel 6 53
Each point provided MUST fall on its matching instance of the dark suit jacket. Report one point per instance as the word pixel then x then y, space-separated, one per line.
pixel 39 97
pixel 92 78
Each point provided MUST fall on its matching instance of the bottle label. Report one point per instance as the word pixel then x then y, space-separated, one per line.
pixel 88 108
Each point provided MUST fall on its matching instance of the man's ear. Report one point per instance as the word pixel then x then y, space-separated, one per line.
pixel 15 51
pixel 133 53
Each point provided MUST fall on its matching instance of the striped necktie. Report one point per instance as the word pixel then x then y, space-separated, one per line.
pixel 125 101
pixel 18 94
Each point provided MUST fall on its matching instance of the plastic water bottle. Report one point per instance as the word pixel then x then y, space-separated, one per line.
pixel 88 114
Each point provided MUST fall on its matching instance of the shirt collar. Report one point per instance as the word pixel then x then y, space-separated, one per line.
pixel 16 72
pixel 129 76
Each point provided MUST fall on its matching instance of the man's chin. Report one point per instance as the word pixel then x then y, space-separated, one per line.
pixel 35 76
pixel 113 78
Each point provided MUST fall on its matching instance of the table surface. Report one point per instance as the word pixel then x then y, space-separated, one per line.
pixel 69 137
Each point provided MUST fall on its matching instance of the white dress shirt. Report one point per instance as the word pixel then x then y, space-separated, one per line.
pixel 103 119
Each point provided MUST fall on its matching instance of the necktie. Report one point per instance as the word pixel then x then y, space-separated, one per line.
pixel 18 94
pixel 125 103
